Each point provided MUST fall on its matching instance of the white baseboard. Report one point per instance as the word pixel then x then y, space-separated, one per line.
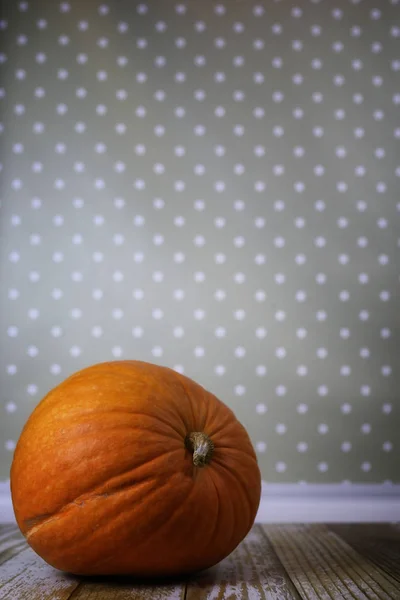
pixel 329 503
pixel 303 503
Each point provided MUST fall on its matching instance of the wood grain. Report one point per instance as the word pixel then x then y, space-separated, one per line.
pixel 126 589
pixel 323 566
pixel 252 572
pixel 11 542
pixel 380 542
pixel 274 562
pixel 27 577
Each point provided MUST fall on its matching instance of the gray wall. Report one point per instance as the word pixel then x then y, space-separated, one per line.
pixel 212 187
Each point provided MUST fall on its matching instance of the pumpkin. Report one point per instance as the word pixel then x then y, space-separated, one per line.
pixel 127 467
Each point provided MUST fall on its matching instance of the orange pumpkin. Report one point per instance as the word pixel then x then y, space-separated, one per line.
pixel 131 468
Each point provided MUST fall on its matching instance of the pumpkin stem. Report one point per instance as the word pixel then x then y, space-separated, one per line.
pixel 201 446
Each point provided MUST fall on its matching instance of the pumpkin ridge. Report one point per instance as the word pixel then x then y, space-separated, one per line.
pixel 241 451
pixel 134 414
pixel 156 531
pixel 207 411
pixel 243 485
pixel 157 417
pixel 231 421
pixel 233 521
pixel 189 399
pixel 218 502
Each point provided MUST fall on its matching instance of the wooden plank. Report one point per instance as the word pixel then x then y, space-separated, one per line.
pixel 125 588
pixel 379 542
pixel 28 577
pixel 7 527
pixel 252 571
pixel 14 532
pixel 11 543
pixel 323 566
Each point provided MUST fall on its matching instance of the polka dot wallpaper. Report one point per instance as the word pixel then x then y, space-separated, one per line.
pixel 212 186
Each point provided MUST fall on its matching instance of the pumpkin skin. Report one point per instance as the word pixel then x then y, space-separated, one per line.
pixel 104 480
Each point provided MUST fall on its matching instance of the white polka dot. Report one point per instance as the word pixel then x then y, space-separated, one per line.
pixel 239 314
pixel 138 257
pixel 261 332
pixel 280 428
pixel 199 314
pixel 219 370
pixel 366 428
pixel 385 332
pixel 260 296
pixel 179 294
pixel 75 351
pixel 240 352
pixel 34 276
pixel 280 467
pixel 302 370
pixel 14 256
pixel 32 389
pixel 199 277
pixel 157 313
pixel 280 278
pixel 10 445
pixel 32 351
pixel 302 447
pixel 137 332
pixel 158 276
pixel 301 296
pixel 239 390
pixel 97 331
pixel 280 352
pixel 179 332
pixel 261 370
pixel 386 370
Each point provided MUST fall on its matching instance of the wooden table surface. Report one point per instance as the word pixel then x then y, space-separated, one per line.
pixel 281 562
